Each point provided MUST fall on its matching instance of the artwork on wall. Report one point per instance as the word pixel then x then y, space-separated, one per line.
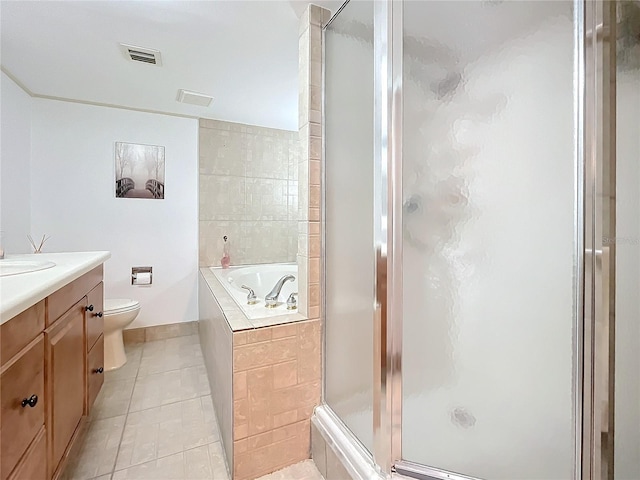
pixel 139 171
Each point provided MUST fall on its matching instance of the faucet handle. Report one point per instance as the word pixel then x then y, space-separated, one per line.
pixel 251 296
pixel 292 302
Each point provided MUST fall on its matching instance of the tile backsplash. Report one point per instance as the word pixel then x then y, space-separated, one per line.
pixel 248 191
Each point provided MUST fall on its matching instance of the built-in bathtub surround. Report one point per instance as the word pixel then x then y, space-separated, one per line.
pixel 267 375
pixel 249 192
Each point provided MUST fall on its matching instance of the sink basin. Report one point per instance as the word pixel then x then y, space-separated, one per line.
pixel 17 267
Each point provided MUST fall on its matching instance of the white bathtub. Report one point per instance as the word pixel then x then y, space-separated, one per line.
pixel 261 278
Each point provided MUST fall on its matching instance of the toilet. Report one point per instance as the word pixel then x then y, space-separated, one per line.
pixel 118 313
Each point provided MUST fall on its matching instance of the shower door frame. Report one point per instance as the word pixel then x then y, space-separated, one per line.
pixel 386 456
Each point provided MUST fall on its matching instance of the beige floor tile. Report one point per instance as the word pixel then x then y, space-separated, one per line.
pixel 97 455
pixel 129 369
pixel 193 464
pixel 300 471
pixel 166 468
pixel 169 387
pixel 113 399
pixel 163 431
pixel 170 354
pixel 218 462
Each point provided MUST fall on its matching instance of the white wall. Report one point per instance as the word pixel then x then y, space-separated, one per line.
pixel 73 201
pixel 15 208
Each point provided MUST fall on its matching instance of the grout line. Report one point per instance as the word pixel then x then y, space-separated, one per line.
pixel 126 417
pixel 168 455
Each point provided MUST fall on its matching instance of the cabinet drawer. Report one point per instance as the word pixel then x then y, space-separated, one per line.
pixel 94 319
pixel 62 300
pixel 95 372
pixel 33 465
pixel 20 330
pixel 22 380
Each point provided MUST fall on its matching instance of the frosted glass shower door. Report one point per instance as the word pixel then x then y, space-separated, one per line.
pixel 349 242
pixel 489 192
pixel 625 239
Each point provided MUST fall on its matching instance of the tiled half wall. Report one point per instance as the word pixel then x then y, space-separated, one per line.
pixel 276 385
pixel 248 190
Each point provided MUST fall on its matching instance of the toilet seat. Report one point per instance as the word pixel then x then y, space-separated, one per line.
pixel 113 306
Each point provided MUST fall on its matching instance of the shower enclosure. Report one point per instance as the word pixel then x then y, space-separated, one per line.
pixel 482 239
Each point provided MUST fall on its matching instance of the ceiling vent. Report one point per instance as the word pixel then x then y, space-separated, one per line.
pixel 194 98
pixel 142 54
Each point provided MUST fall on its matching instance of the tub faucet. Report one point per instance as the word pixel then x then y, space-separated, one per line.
pixel 271 300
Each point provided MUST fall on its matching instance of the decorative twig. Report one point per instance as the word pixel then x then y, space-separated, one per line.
pixel 38 249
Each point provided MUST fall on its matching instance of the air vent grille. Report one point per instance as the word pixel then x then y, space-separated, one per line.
pixel 194 98
pixel 141 54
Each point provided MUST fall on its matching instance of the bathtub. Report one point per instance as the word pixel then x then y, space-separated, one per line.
pixel 261 278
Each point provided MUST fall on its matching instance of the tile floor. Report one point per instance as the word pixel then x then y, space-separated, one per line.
pixel 154 420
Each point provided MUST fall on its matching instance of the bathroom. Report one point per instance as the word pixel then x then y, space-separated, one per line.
pixel 439 199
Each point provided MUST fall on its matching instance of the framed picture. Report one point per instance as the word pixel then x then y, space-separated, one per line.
pixel 139 171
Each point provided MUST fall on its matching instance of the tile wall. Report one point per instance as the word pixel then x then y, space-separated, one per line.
pixel 309 169
pixel 276 385
pixel 248 191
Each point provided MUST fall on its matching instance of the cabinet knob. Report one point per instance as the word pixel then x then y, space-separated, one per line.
pixel 89 308
pixel 99 314
pixel 31 401
pixel 99 370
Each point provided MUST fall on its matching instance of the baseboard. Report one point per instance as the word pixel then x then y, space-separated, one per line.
pixel 159 332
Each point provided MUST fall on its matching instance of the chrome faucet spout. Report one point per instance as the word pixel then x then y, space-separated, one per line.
pixel 271 300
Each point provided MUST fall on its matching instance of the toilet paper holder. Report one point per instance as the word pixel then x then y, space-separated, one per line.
pixel 135 271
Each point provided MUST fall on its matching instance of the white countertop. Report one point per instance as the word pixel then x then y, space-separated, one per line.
pixel 19 292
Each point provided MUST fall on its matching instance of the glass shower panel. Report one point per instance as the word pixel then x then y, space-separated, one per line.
pixel 489 191
pixel 626 243
pixel 349 241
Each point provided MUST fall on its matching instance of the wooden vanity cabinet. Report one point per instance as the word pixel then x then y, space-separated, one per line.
pixel 51 371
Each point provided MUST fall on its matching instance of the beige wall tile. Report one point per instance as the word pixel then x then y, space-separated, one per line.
pixel 314 228
pixel 239 385
pixel 285 374
pixel 239 338
pixel 260 440
pixel 285 418
pixel 314 172
pixel 267 353
pixel 259 335
pixel 314 312
pixel 248 190
pixel 240 446
pixel 260 418
pixel 260 380
pixel 133 335
pixel 314 295
pixel 286 330
pixel 315 245
pixel 240 412
pixel 309 351
pixel 314 270
pixel 240 431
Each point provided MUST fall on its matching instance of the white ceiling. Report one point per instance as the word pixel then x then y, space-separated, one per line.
pixel 243 53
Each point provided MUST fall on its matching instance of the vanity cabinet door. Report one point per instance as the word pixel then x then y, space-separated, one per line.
pixel 22 395
pixel 65 357
pixel 33 466
pixel 95 320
